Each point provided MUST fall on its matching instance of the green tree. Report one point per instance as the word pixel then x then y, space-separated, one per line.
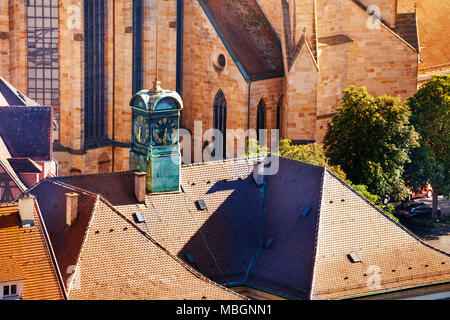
pixel 311 153
pixel 370 139
pixel 430 115
pixel 314 154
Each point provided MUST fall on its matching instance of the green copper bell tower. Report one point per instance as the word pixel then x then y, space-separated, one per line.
pixel 155 147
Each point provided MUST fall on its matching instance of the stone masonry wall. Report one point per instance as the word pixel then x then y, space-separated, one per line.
pixel 301 98
pixel 4 40
pixel 18 45
pixel 376 58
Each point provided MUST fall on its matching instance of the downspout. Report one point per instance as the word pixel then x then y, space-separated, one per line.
pixel 180 30
pixel 248 105
pixel 114 86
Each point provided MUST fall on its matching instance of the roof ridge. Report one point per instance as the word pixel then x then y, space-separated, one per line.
pixel 175 258
pixel 85 236
pixel 246 158
pixel 316 240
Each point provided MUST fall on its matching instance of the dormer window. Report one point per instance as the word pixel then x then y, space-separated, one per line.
pixel 11 291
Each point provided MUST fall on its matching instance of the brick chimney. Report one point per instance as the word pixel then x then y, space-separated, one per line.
pixel 26 209
pixel 71 208
pixel 258 172
pixel 140 182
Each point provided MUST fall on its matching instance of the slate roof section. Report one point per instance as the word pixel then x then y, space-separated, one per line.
pixel 27 132
pixel 31 255
pixel 24 165
pixel 248 36
pixel 287 266
pixel 10 96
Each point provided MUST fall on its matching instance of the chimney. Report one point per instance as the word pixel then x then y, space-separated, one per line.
pixel 258 172
pixel 71 208
pixel 140 185
pixel 26 209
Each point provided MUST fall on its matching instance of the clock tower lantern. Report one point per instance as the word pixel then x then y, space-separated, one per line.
pixel 155 145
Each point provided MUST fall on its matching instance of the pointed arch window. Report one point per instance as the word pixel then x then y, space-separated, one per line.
pixel 279 106
pixel 220 121
pixel 260 121
pixel 95 116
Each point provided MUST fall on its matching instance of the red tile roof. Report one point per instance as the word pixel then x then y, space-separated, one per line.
pixel 66 242
pixel 28 252
pixel 118 261
pixel 113 258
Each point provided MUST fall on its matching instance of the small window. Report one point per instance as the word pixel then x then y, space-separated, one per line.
pixel 201 205
pixel 269 242
pixel 306 211
pixel 353 257
pixel 190 258
pixel 138 217
pixel 13 290
pixel 9 291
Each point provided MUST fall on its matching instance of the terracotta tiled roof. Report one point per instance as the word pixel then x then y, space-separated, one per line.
pixel 118 261
pixel 114 259
pixel 249 36
pixel 308 255
pixel 10 270
pixel 432 16
pixel 27 131
pixel 350 224
pixel 29 250
pixel 66 242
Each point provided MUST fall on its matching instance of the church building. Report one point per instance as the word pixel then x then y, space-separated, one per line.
pixel 253 64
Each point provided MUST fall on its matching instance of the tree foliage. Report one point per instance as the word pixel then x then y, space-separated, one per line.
pixel 370 139
pixel 430 115
pixel 315 154
pixel 310 153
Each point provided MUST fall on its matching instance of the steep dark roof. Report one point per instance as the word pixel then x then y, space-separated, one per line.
pixel 27 131
pixel 66 243
pixel 248 36
pixel 24 165
pixel 10 96
pixel 117 188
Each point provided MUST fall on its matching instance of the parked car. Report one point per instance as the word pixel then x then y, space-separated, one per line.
pixel 424 192
pixel 414 209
